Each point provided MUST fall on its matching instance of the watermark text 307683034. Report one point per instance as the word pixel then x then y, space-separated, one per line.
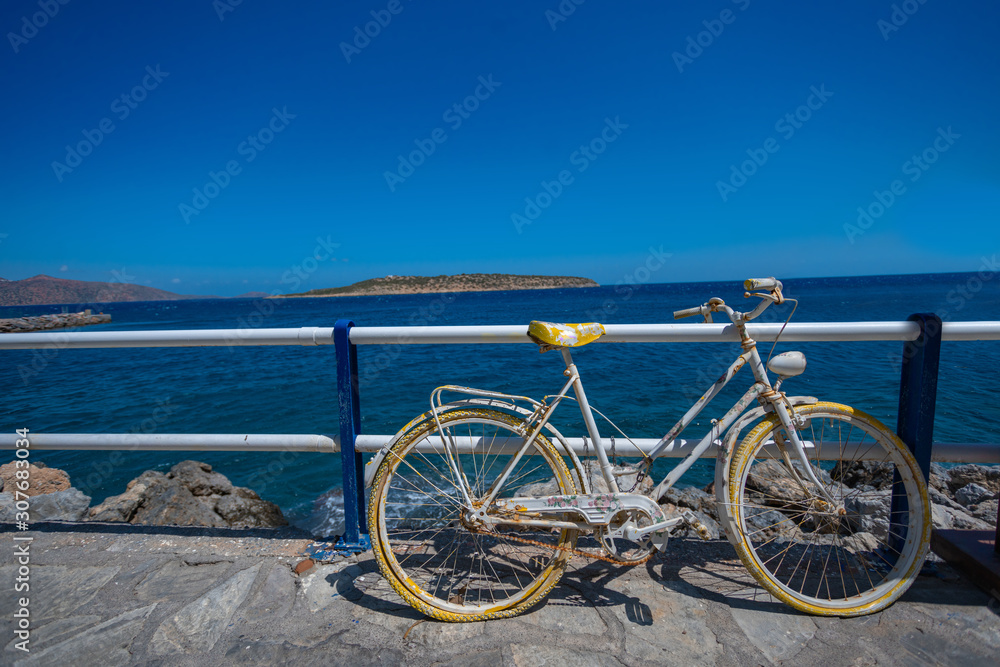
pixel 121 107
pixel 22 543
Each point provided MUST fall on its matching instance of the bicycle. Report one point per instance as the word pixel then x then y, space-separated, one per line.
pixel 476 506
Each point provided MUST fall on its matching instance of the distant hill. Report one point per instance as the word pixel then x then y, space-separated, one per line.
pixel 465 282
pixel 42 290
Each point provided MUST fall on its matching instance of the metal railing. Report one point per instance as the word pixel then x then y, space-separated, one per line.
pixel 921 335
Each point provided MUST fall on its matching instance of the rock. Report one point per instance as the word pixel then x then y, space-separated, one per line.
pixel 939 477
pixel 863 473
pixel 973 494
pixel 947 517
pixel 986 476
pixel 986 511
pixel 939 498
pixel 692 498
pixel 41 479
pixel 868 512
pixel 68 505
pixel 191 494
pixel 200 480
pixel 774 481
pixel 124 506
pixel 245 508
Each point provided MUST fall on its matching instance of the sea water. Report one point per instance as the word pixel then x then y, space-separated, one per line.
pixel 643 388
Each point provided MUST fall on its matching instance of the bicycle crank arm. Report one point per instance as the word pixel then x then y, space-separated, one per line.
pixel 597 509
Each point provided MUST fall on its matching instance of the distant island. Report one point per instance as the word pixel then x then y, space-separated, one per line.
pixel 464 282
pixel 44 290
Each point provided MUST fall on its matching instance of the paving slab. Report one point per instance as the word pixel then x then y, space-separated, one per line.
pixel 124 595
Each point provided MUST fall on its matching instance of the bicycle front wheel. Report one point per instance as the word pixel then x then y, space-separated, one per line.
pixel 430 546
pixel 850 556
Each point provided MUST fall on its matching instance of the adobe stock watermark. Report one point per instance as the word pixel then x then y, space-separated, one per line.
pixel 387 354
pixel 223 7
pixel 563 11
pixel 631 282
pixel 42 357
pixel 454 116
pixel 249 149
pixel 695 45
pixel 31 25
pixel 381 18
pixel 900 14
pixel 100 471
pixel 585 155
pixel 122 107
pixel 787 126
pixel 958 297
pixel 294 277
pixel 915 167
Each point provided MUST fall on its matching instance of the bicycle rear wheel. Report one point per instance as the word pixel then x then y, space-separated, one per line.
pixel 852 557
pixel 444 564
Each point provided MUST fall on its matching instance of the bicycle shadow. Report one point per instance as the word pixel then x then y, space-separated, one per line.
pixel 709 570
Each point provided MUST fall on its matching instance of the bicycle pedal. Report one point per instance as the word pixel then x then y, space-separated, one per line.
pixel 698 526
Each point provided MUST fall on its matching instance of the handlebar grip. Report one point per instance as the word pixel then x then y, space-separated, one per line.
pixel 761 283
pixel 687 312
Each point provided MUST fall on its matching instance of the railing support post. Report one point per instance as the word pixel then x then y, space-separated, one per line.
pixel 917 399
pixel 355 538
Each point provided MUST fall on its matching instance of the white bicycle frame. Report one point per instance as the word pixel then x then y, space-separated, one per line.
pixel 599 510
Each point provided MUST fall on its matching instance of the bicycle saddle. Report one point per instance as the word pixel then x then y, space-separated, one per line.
pixel 552 336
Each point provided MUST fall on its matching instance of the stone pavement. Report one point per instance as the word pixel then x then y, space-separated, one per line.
pixel 106 594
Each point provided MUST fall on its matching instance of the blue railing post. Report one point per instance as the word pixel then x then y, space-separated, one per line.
pixel 355 536
pixel 917 399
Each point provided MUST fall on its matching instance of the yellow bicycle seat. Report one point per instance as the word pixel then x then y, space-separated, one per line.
pixel 552 336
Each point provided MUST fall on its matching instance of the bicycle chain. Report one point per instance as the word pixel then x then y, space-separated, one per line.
pixel 579 552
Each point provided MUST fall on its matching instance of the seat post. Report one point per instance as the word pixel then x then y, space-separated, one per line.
pixel 588 419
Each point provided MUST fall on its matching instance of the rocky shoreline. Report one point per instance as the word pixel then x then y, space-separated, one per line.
pixel 58 321
pixel 190 494
pixel 963 498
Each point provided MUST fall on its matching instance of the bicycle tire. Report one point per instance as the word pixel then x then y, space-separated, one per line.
pixel 436 562
pixel 847 559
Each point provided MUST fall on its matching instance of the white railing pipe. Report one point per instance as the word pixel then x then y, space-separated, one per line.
pixel 258 442
pixel 493 334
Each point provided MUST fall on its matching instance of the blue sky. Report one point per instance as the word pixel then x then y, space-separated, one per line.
pixel 739 138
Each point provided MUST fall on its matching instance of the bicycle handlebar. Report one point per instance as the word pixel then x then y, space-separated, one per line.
pixel 773 285
pixel 687 312
pixel 762 283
